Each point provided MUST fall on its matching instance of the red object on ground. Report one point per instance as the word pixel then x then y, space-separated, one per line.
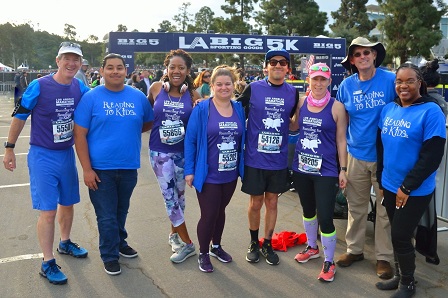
pixel 281 241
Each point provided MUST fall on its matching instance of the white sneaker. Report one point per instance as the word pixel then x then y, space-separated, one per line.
pixel 186 251
pixel 175 242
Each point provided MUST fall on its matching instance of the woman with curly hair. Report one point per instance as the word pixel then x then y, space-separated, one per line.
pixel 172 98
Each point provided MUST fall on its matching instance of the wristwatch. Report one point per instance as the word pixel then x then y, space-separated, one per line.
pixel 343 169
pixel 9 145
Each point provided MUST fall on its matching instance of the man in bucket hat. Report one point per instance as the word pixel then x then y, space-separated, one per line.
pixel 364 94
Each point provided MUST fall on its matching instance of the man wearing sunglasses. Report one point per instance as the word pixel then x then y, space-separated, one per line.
pixel 364 94
pixel 270 104
pixel 51 101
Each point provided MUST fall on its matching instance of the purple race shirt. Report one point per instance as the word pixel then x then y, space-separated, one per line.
pixel 224 140
pixel 270 108
pixel 170 121
pixel 316 151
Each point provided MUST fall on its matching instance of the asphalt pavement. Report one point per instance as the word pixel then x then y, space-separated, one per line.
pixel 152 274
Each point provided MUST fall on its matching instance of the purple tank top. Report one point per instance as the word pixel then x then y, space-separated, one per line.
pixel 170 121
pixel 316 151
pixel 52 117
pixel 223 138
pixel 270 108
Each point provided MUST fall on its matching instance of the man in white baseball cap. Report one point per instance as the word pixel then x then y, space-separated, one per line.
pixel 54 180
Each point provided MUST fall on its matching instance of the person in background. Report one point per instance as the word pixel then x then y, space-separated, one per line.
pixel 432 79
pixel 213 161
pixel 272 103
pixel 158 76
pixel 96 80
pixel 81 74
pixel 240 84
pixel 17 89
pixel 410 147
pixel 108 144
pixel 24 81
pixel 145 82
pixel 316 174
pixel 51 159
pixel 202 83
pixel 135 81
pixel 364 94
pixel 172 98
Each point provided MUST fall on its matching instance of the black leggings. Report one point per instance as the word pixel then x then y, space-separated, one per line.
pixel 404 221
pixel 317 193
pixel 213 201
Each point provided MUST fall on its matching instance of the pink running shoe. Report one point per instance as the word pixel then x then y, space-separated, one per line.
pixel 307 254
pixel 328 272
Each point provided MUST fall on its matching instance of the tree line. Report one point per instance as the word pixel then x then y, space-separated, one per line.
pixel 410 28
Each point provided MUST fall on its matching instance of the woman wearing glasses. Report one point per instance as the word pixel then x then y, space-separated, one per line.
pixel 410 146
pixel 202 84
pixel 321 147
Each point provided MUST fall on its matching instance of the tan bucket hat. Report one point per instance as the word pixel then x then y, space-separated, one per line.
pixel 364 42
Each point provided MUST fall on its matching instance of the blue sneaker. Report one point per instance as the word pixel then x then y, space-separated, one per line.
pixel 71 248
pixel 50 270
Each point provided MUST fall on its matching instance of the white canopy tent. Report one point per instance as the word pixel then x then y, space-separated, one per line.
pixel 4 67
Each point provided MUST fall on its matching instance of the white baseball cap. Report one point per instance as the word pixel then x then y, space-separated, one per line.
pixel 70 47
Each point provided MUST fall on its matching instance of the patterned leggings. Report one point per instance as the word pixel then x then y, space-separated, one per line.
pixel 169 170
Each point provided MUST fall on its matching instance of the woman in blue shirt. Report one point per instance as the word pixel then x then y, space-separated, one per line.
pixel 410 147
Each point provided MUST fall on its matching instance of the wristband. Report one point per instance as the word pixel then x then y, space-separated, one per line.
pixel 343 169
pixel 405 190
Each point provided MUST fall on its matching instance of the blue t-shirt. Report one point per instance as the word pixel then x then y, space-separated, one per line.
pixel 114 121
pixel 403 131
pixel 363 101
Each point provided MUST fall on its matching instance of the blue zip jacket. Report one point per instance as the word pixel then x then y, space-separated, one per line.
pixel 195 145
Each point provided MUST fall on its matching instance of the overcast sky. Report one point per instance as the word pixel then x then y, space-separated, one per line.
pixel 100 17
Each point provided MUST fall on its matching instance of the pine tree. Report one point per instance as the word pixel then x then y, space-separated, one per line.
pixel 351 20
pixel 411 27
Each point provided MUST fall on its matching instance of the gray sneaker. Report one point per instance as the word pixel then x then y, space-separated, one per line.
pixel 186 251
pixel 175 242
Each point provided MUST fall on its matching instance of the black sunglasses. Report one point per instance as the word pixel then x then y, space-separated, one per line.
pixel 274 62
pixel 70 44
pixel 365 53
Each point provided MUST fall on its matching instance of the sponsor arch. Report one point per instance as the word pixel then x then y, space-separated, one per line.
pixel 328 50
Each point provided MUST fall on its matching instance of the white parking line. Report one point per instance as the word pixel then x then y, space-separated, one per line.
pixel 16 154
pixel 14 185
pixel 21 258
pixel 19 137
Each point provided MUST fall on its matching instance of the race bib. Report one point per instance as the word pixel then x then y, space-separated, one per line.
pixel 309 163
pixel 269 142
pixel 62 130
pixel 171 134
pixel 227 160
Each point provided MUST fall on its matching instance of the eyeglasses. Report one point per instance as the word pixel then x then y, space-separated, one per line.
pixel 321 68
pixel 274 62
pixel 206 76
pixel 407 83
pixel 365 53
pixel 69 44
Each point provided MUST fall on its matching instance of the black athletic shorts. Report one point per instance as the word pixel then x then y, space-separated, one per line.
pixel 258 181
